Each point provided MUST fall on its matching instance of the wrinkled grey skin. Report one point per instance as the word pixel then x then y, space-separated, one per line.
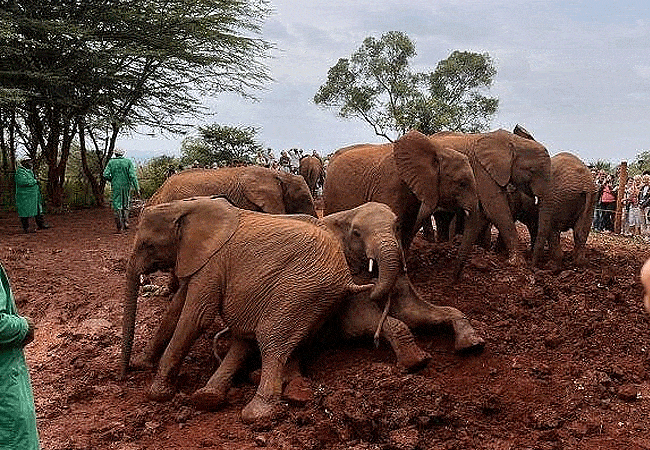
pixel 272 280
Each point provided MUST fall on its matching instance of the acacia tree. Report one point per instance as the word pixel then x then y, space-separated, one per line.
pixel 223 145
pixel 377 85
pixel 102 67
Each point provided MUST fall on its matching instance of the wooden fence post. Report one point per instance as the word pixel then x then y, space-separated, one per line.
pixel 622 181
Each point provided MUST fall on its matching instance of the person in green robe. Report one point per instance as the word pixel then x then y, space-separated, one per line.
pixel 28 197
pixel 17 414
pixel 120 172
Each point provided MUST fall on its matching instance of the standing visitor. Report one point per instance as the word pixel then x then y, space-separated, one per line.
pixel 607 197
pixel 644 202
pixel 28 197
pixel 120 172
pixel 17 414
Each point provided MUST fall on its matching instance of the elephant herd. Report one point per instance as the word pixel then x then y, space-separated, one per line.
pixel 245 245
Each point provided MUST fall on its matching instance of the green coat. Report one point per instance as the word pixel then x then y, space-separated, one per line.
pixel 17 414
pixel 28 194
pixel 121 174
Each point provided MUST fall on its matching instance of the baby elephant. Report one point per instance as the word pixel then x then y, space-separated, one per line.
pixel 271 279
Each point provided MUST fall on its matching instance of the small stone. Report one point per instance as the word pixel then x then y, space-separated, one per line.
pixel 298 390
pixel 260 441
pixel 629 393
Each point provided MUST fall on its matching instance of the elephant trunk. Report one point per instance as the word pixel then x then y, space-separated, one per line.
pixel 543 230
pixel 133 273
pixel 390 261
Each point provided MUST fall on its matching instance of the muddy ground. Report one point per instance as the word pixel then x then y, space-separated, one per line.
pixel 566 365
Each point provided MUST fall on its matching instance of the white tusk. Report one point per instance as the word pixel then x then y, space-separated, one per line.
pixel 466 213
pixel 370 265
pixel 536 200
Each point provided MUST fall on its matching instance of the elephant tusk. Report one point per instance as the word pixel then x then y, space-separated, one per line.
pixel 370 265
pixel 536 200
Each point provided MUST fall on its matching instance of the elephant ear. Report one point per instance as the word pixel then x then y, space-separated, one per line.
pixel 206 225
pixel 521 131
pixel 495 153
pixel 265 193
pixel 416 158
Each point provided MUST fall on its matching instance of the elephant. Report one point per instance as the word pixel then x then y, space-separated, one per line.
pixel 272 280
pixel 645 281
pixel 405 174
pixel 311 169
pixel 499 158
pixel 572 201
pixel 248 187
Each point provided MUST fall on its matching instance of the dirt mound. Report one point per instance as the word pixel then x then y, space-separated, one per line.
pixel 566 364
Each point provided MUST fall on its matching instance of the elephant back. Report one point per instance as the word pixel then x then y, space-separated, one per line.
pixel 354 175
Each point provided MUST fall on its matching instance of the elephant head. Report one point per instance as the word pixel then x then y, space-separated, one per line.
pixel 181 235
pixel 285 193
pixel 368 234
pixel 440 176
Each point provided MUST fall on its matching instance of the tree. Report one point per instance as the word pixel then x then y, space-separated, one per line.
pixel 222 145
pixel 377 85
pixel 103 67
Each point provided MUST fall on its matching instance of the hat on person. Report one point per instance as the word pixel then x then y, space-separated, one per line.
pixel 119 152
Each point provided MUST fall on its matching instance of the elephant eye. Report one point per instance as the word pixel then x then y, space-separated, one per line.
pixel 356 233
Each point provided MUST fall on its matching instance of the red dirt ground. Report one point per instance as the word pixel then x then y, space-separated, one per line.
pixel 566 365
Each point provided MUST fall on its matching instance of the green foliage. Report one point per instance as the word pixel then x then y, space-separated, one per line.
pixel 105 66
pixel 154 173
pixel 601 164
pixel 377 85
pixel 222 145
pixel 641 164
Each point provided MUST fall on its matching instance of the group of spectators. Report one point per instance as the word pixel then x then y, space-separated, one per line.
pixel 635 202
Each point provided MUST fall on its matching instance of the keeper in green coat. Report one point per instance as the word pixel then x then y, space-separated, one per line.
pixel 120 172
pixel 17 414
pixel 28 197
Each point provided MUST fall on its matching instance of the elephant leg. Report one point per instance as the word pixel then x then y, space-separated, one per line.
pixel 213 394
pixel 361 318
pixel 473 228
pixel 194 316
pixel 416 312
pixel 264 403
pixel 554 247
pixel 508 232
pixel 156 346
pixel 580 235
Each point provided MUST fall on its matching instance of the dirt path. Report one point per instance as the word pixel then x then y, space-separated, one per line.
pixel 566 364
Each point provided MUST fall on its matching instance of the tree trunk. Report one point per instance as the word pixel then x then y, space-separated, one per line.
pixel 96 183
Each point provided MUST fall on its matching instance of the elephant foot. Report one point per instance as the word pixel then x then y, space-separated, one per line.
pixel 467 339
pixel 259 409
pixel 415 360
pixel 161 391
pixel 142 362
pixel 207 399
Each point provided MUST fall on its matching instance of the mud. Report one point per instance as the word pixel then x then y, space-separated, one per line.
pixel 566 364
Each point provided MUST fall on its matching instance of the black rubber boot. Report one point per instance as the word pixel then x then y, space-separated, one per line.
pixel 40 223
pixel 118 223
pixel 24 221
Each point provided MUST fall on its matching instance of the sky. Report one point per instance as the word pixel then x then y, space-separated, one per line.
pixel 576 74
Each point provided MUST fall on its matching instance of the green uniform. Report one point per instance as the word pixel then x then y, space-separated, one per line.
pixel 28 194
pixel 17 415
pixel 121 174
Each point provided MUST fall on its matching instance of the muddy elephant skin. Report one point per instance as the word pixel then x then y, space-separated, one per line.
pixel 403 175
pixel 271 279
pixel 248 187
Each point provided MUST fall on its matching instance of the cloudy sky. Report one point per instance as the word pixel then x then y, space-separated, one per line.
pixel 576 74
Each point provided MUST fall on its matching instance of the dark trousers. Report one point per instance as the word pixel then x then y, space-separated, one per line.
pixel 40 222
